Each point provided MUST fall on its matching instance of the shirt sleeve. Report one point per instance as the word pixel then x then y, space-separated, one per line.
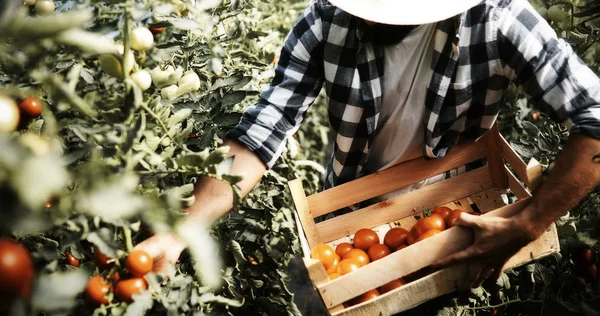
pixel 554 78
pixel 298 79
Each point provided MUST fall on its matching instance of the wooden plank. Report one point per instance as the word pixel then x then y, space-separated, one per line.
pixel 319 276
pixel 392 179
pixel 516 187
pixel 304 246
pixel 304 213
pixel 534 174
pixel 489 199
pixel 412 203
pixel 530 173
pixel 403 262
pixel 445 281
pixel 495 159
pixel 406 223
pixel 462 204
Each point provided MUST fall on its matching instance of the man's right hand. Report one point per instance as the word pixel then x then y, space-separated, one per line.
pixel 164 249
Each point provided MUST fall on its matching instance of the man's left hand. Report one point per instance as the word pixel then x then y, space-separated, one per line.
pixel 496 240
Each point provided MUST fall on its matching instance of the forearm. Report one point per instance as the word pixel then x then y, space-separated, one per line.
pixel 574 176
pixel 214 198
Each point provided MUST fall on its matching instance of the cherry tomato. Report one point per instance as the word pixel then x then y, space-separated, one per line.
pixel 348 265
pixel 96 291
pixel 584 256
pixel 102 261
pixel 142 79
pixel 9 115
pixel 401 247
pixel 365 238
pixel 358 254
pixel 435 221
pixel 31 106
pixel 591 273
pixel 428 234
pixel 115 277
pixel 47 205
pixel 44 7
pixel 412 235
pixel 451 220
pixel 124 290
pixel 342 248
pixel 333 267
pixel 72 260
pixel 16 270
pixel 557 13
pixel 442 210
pixel 392 285
pixel 395 237
pixel 535 116
pixel 142 39
pixel 325 254
pixel 156 30
pixel 138 263
pixel 334 276
pixel 378 251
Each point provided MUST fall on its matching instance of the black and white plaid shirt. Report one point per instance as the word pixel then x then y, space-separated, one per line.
pixel 475 57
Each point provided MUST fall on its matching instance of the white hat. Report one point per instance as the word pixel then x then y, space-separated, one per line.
pixel 405 12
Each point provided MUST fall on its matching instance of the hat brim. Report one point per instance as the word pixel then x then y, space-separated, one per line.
pixel 405 12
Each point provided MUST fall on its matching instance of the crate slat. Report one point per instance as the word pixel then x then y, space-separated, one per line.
pixel 495 158
pixel 304 213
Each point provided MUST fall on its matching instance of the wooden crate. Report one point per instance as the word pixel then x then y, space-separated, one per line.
pixel 482 187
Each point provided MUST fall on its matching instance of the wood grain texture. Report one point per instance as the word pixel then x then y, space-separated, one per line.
pixel 392 179
pixel 489 199
pixel 495 158
pixel 534 174
pixel 304 213
pixel 516 187
pixel 530 174
pixel 409 204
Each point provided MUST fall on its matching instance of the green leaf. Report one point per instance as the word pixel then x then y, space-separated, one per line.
pixel 58 292
pixel 232 98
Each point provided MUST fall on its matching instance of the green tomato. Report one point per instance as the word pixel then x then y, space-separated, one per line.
pixel 142 39
pixel 169 93
pixel 189 82
pixel 142 79
pixel 44 7
pixel 557 13
pixel 9 115
pixel 543 12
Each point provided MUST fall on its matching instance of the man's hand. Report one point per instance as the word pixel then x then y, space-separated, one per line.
pixel 496 240
pixel 164 248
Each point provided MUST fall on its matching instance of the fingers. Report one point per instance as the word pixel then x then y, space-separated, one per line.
pixel 469 221
pixel 469 253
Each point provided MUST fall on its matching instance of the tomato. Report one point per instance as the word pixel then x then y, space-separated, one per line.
pixel 124 290
pixel 365 238
pixel 435 221
pixel 366 297
pixel 47 205
pixel 442 210
pixel 428 234
pixel 188 83
pixel 9 115
pixel 451 220
pixel 102 261
pixel 325 254
pixel 392 285
pixel 342 248
pixel 44 7
pixel 115 277
pixel 29 2
pixel 138 263
pixel 112 65
pixel 557 13
pixel 141 39
pixel 142 79
pixel 72 260
pixel 16 270
pixel 333 267
pixel 333 276
pixel 395 237
pixel 535 116
pixel 170 92
pixel 359 255
pixel 591 273
pixel 412 236
pixel 31 106
pixel 584 256
pixel 96 291
pixel 348 265
pixel 378 251
pixel 156 30
pixel 401 247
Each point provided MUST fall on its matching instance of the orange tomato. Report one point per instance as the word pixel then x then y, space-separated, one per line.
pixel 325 254
pixel 359 255
pixel 72 260
pixel 412 236
pixel 96 291
pixel 365 238
pixel 428 234
pixel 378 251
pixel 401 247
pixel 451 220
pixel 366 297
pixel 102 261
pixel 392 285
pixel 31 106
pixel 334 276
pixel 139 263
pixel 395 237
pixel 348 265
pixel 435 221
pixel 342 248
pixel 124 290
pixel 442 210
pixel 333 267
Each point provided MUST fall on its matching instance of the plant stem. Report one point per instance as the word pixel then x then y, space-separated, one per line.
pixel 504 304
pixel 128 241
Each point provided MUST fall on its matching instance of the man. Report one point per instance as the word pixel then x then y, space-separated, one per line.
pixel 406 79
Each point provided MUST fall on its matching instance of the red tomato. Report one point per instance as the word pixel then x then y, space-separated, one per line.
pixel 365 238
pixel 401 247
pixel 358 254
pixel 451 220
pixel 16 270
pixel 72 260
pixel 535 116
pixel 348 265
pixel 584 256
pixel 96 291
pixel 442 210
pixel 342 248
pixel 139 263
pixel 101 260
pixel 435 221
pixel 392 285
pixel 124 290
pixel 428 234
pixel 412 235
pixel 395 237
pixel 378 251
pixel 325 254
pixel 31 106
pixel 156 30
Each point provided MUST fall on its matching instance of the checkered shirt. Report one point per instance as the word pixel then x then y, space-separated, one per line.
pixel 476 55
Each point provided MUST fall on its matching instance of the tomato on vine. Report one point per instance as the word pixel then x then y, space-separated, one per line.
pixel 72 260
pixel 138 263
pixel 9 115
pixel 16 270
pixel 101 260
pixel 31 106
pixel 124 290
pixel 96 291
